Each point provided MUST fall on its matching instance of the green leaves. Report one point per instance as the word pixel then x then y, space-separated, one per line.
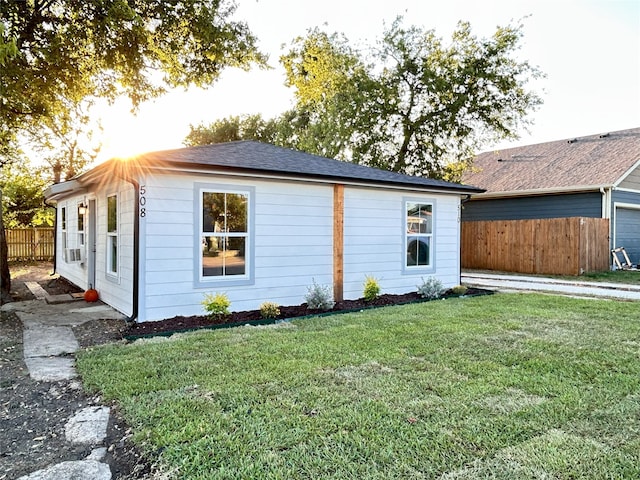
pixel 420 105
pixel 54 53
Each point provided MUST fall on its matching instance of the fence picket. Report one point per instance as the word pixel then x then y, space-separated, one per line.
pixel 29 244
pixel 560 246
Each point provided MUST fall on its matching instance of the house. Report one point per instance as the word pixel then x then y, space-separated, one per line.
pixel 593 176
pixel 154 233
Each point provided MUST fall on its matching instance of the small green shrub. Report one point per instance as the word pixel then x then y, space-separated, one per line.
pixel 319 297
pixel 269 310
pixel 431 288
pixel 216 305
pixel 371 288
pixel 459 290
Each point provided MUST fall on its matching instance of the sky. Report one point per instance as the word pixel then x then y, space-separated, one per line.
pixel 588 49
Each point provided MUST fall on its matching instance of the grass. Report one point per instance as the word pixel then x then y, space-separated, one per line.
pixel 631 277
pixel 616 276
pixel 511 386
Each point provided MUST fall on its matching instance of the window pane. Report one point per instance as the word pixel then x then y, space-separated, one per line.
pixel 419 218
pixel 112 214
pixel 235 259
pixel 222 256
pixel 113 254
pixel 418 251
pixel 213 212
pixel 80 223
pixel 64 218
pixel 236 212
pixel 224 212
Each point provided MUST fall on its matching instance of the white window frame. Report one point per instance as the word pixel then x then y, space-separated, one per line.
pixel 112 236
pixel 81 233
pixel 63 226
pixel 247 278
pixel 407 237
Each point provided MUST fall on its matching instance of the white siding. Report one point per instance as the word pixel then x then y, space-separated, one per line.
pixel 116 291
pixel 374 240
pixel 293 245
pixel 74 272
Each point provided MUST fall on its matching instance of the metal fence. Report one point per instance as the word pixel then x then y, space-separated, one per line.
pixel 30 244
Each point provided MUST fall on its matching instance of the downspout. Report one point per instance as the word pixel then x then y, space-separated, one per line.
pixel 462 202
pixel 606 213
pixel 136 247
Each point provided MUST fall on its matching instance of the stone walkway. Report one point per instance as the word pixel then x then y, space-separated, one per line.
pixel 49 345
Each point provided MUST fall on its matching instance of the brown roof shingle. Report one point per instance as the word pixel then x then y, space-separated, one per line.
pixel 580 163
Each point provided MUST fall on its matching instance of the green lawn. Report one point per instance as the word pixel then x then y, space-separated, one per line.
pixel 509 386
pixel 617 276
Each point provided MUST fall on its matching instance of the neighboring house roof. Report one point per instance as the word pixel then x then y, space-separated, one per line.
pixel 263 159
pixel 576 164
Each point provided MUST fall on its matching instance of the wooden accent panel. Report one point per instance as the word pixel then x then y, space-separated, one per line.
pixel 559 246
pixel 338 242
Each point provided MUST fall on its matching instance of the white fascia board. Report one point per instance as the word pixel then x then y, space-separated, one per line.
pixel 541 191
pixel 61 190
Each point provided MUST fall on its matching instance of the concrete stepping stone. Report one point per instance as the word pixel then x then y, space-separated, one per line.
pixel 51 369
pixel 45 340
pixel 88 425
pixel 81 469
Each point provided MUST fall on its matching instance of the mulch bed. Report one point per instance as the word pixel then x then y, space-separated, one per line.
pixel 194 322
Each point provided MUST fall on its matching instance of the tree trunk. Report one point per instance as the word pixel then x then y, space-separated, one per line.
pixel 5 275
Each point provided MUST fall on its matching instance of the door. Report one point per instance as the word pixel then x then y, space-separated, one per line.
pixel 91 246
pixel 627 232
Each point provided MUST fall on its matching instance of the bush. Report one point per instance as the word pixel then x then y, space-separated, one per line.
pixel 459 290
pixel 269 310
pixel 371 288
pixel 431 288
pixel 216 305
pixel 319 297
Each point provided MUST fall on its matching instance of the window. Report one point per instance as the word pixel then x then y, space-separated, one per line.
pixel 112 234
pixel 80 227
pixel 419 235
pixel 224 234
pixel 63 224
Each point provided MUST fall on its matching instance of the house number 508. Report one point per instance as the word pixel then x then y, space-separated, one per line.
pixel 143 200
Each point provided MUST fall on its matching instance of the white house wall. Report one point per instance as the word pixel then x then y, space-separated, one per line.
pixel 293 245
pixel 117 290
pixel 74 272
pixel 374 230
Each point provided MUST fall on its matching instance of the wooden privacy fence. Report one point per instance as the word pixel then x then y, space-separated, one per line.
pixel 30 243
pixel 559 246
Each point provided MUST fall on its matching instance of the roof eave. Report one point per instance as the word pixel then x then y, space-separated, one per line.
pixel 542 191
pixel 272 174
pixel 61 190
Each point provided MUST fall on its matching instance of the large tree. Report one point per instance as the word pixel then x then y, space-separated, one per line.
pixel 418 106
pixel 413 104
pixel 23 189
pixel 55 53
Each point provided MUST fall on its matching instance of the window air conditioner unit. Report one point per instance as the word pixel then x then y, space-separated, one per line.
pixel 73 255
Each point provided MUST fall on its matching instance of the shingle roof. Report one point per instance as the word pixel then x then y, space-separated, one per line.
pixel 593 161
pixel 263 158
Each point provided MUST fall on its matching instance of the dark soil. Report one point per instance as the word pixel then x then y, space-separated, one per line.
pixel 182 323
